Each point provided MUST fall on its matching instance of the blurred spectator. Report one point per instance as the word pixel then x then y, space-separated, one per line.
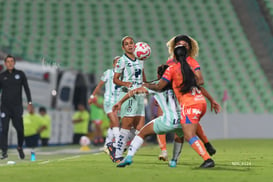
pixel 46 133
pixel 80 120
pixel 97 116
pixel 33 126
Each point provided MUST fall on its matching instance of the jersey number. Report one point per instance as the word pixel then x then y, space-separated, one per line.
pixel 176 121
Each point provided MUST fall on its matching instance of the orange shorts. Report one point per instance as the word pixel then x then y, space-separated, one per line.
pixel 193 113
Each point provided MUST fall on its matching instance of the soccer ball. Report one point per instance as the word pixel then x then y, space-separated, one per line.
pixel 142 50
pixel 84 141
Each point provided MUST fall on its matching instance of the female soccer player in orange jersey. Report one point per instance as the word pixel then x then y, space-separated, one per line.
pixel 193 103
pixel 193 49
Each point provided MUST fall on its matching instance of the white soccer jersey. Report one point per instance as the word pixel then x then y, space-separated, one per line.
pixel 169 105
pixel 131 70
pixel 112 90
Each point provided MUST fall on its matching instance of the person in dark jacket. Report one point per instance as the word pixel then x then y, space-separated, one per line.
pixel 11 83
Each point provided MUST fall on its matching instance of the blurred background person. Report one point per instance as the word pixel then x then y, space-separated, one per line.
pixel 33 126
pixel 111 96
pixel 46 133
pixel 97 116
pixel 80 120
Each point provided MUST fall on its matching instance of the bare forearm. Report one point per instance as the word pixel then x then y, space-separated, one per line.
pixel 98 87
pixel 144 77
pixel 151 86
pixel 206 94
pixel 120 83
pixel 77 120
pixel 131 93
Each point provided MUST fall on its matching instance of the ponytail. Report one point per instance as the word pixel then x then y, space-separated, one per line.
pixel 189 81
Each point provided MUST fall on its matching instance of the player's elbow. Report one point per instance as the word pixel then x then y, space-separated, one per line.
pixel 115 80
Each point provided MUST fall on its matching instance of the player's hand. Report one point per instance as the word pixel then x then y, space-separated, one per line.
pixel 116 107
pixel 128 84
pixel 29 107
pixel 215 107
pixel 92 100
pixel 89 101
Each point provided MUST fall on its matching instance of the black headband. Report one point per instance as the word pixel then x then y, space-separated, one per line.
pixel 184 38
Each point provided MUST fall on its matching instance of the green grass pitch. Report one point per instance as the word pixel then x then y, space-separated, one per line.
pixel 236 160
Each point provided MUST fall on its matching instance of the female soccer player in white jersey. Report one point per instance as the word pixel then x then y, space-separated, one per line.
pixel 111 96
pixel 168 122
pixel 129 74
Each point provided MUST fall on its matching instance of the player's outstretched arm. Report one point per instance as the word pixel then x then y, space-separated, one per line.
pixel 158 86
pixel 93 95
pixel 131 93
pixel 214 105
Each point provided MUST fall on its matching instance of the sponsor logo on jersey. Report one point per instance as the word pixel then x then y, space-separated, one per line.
pixel 193 111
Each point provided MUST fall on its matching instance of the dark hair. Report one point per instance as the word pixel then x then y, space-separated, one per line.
pixel 9 56
pixel 42 109
pixel 189 81
pixel 161 69
pixel 184 38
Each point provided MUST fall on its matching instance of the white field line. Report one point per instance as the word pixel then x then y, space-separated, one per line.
pixel 62 159
pixel 98 152
pixel 68 158
pixel 45 162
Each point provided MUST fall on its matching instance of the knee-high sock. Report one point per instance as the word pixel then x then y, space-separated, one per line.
pixel 109 137
pixel 132 134
pixel 135 145
pixel 177 148
pixel 116 135
pixel 122 140
pixel 162 142
pixel 199 147
pixel 201 134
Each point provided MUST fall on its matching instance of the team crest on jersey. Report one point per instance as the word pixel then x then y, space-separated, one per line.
pixel 129 65
pixel 129 109
pixel 17 76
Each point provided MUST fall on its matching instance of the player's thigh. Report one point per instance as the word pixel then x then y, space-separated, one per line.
pixel 193 113
pixel 114 120
pixel 147 129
